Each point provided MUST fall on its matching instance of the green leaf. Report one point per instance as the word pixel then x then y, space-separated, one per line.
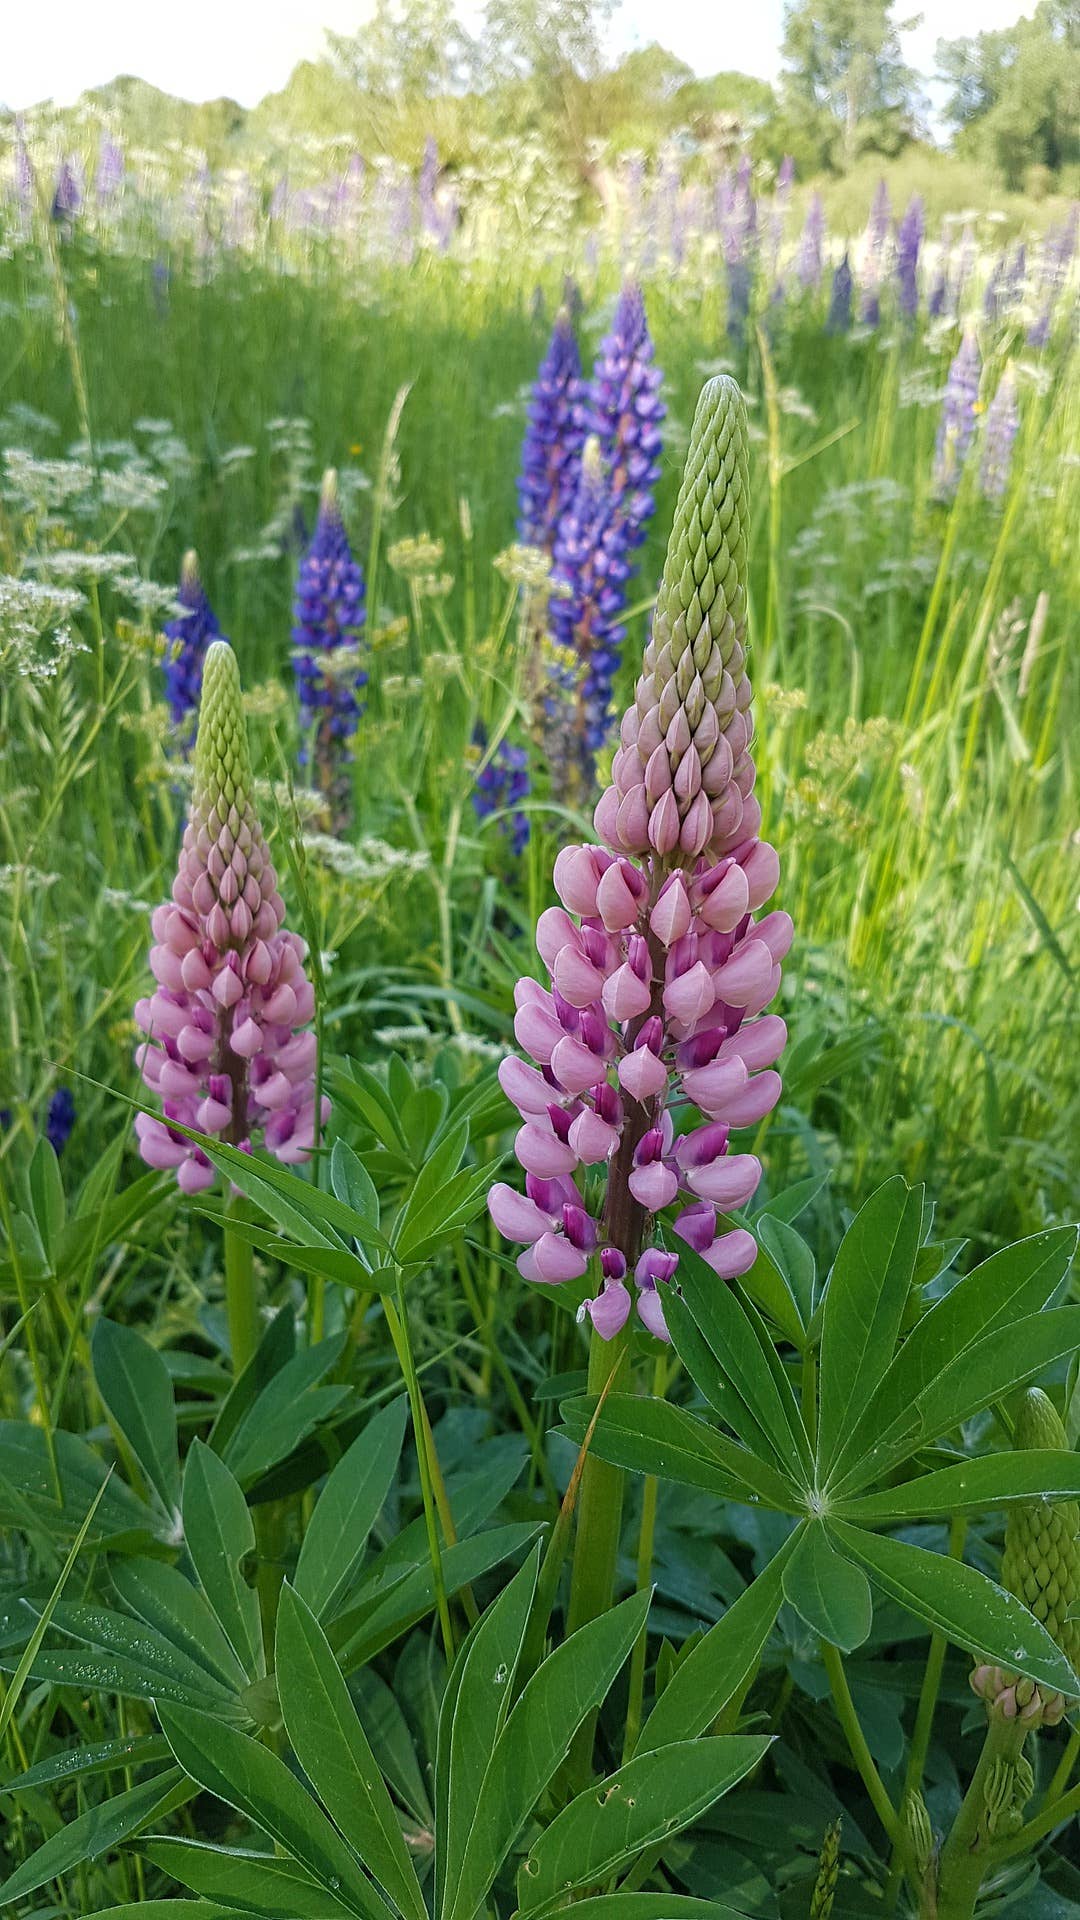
pixel 7 1707
pixel 134 1383
pixel 261 1787
pixel 1012 1285
pixel 78 1763
pixel 644 1804
pixel 166 1910
pixel 366 1628
pixel 651 1906
pixel 166 1667
pixel 97 1831
pixel 333 1750
pixel 962 1604
pixel 161 1596
pixel 745 1357
pixel 352 1183
pixel 534 1741
pixel 25 1469
pixel 382 1719
pixel 864 1306
pixel 261 1883
pixel 432 1216
pixel 474 1712
pixel 220 1538
pixel 47 1196
pixel 274 1351
pixel 722 1663
pixel 290 1406
pixel 827 1591
pixel 994 1480
pixel 652 1436
pixel 347 1509
pixel 788 1205
pixel 794 1263
pixel 363 1094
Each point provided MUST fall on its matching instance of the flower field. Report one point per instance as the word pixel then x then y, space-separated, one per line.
pixel 539 1090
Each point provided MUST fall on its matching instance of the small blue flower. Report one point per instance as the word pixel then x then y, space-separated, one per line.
pixel 60 1119
pixel 501 787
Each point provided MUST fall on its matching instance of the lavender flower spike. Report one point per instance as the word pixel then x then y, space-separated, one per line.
pixel 909 237
pixel 1002 423
pixel 226 1047
pixel 190 634
pixel 956 429
pixel 808 260
pixel 329 612
pixel 660 973
pixel 553 440
pixel 625 411
pixel 591 561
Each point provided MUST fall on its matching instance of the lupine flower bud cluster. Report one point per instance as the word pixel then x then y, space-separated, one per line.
pixel 956 429
pixel 226 1048
pixel 189 636
pixel 1041 1566
pixel 551 451
pixel 660 974
pixel 329 613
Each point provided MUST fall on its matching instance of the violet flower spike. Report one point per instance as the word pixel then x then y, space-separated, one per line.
pixel 659 971
pixel 624 410
pixel 227 1049
pixel 956 429
pixel 329 612
pixel 999 435
pixel 190 634
pixel 553 440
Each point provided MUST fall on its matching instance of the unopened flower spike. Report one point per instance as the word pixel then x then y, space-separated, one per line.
pixel 189 634
pixel 1041 1566
pixel 660 973
pixel 226 1047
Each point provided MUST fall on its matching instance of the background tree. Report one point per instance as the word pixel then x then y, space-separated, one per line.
pixel 409 49
pixel 1015 100
pixel 844 66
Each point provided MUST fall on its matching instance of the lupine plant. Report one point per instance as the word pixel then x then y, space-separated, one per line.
pixel 189 634
pixel 329 615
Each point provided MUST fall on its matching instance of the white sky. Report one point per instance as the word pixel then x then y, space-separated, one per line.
pixel 200 49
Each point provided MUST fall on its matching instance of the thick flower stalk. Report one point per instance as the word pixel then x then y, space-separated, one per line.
pixel 189 636
pixel 592 568
pixel 956 429
pixel 909 239
pixel 226 1049
pixel 501 786
pixel 659 971
pixel 999 436
pixel 329 614
pixel 555 435
pixel 625 410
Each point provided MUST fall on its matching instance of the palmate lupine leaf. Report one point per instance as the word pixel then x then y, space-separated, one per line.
pixel 166 1910
pixel 347 1509
pixel 220 1538
pixel 162 1597
pixel 134 1383
pixel 827 1591
pixel 864 1306
pixel 262 1883
pixel 98 1831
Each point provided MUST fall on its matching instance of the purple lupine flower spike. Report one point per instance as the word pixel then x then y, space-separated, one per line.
pixel 660 972
pixel 877 237
pixel 809 259
pixel 1002 424
pixel 67 196
pixel 553 440
pixel 227 1048
pixel 329 612
pixel 501 787
pixel 591 561
pixel 625 411
pixel 956 429
pixel 838 319
pixel 60 1119
pixel 189 635
pixel 909 237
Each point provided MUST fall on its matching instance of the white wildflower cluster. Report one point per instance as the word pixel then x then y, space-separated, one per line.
pixel 370 861
pixel 35 637
pixel 34 485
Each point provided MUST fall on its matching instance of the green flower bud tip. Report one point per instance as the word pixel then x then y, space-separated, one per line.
pixel 222 761
pixel 824 1894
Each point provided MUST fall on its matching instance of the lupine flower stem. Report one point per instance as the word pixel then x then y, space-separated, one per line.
pixel 856 1740
pixel 646 1538
pixel 397 1319
pixel 596 1544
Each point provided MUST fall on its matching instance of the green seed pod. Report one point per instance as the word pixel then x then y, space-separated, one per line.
pixel 1041 1562
pixel 821 1900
